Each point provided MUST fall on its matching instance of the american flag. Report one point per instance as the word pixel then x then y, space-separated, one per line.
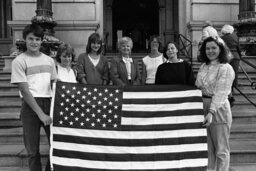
pixel 140 128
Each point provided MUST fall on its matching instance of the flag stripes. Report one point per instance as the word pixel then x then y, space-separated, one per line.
pixel 125 142
pixel 161 129
pixel 143 166
pixel 67 168
pixel 128 157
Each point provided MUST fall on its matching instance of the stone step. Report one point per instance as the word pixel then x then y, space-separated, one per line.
pixel 15 136
pixel 243 167
pixel 243 114
pixel 10 106
pixel 15 155
pixel 5 73
pixel 10 120
pixel 246 131
pixel 243 151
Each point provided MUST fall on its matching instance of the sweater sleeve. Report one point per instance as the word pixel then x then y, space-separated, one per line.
pixel 80 67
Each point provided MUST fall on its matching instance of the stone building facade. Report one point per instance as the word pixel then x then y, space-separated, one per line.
pixel 77 19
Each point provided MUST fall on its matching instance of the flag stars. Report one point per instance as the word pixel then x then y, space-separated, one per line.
pixel 71 123
pixel 115 125
pixel 78 92
pixel 87 119
pixel 110 103
pixel 99 102
pixel 116 107
pixel 81 124
pixel 105 99
pixel 63 95
pixel 76 118
pixel 82 114
pixel 77 109
pixel 93 106
pixel 98 120
pixel 84 89
pixel 73 88
pixel 117 91
pixel 66 118
pixel 109 111
pixel 60 122
pixel 98 110
pixel 88 101
pixel 72 96
pixel 61 113
pixel 104 125
pixel 104 116
pixel 88 110
pixel 77 100
pixel 83 97
pixel 106 90
pixel 109 120
pixel 66 108
pixel 89 93
pixel 68 91
pixel 115 116
pixel 63 87
pixel 71 113
pixel 116 99
pixel 100 94
pixel 67 100
pixel 62 104
pixel 83 105
pixel 95 90
pixel 93 124
pixel 94 98
pixel 104 107
pixel 111 95
pixel 72 104
pixel 93 115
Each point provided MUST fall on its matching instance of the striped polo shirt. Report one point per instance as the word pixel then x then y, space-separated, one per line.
pixel 36 71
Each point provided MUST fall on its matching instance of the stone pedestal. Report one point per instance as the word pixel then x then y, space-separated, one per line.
pixel 8 63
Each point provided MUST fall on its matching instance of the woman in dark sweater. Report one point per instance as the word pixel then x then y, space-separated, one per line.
pixel 174 70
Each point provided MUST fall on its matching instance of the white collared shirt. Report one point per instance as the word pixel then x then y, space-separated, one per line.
pixel 128 62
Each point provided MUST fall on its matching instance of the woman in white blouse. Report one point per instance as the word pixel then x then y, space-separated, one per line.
pixel 215 78
pixel 151 62
pixel 64 57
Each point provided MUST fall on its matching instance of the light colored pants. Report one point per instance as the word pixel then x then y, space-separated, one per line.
pixel 218 137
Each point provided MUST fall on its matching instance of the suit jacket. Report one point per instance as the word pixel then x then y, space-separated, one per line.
pixel 118 72
pixel 232 43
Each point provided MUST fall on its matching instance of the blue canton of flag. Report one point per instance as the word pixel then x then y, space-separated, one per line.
pixel 87 107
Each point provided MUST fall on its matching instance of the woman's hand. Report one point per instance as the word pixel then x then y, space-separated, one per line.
pixel 207 120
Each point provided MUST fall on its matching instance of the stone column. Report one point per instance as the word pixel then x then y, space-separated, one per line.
pixel 44 7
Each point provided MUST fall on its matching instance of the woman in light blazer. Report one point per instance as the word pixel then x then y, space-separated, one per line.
pixel 124 70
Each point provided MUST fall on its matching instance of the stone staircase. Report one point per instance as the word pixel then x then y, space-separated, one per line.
pixel 13 153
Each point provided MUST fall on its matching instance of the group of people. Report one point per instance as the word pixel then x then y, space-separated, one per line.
pixel 34 71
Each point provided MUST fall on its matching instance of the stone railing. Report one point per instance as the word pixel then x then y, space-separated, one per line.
pixel 8 63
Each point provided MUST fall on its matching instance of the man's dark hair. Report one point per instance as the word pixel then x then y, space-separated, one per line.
pixel 37 30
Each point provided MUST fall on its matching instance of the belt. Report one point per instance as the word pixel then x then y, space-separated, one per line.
pixel 208 97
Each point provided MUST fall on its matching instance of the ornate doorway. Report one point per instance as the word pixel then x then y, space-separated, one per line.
pixel 137 19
